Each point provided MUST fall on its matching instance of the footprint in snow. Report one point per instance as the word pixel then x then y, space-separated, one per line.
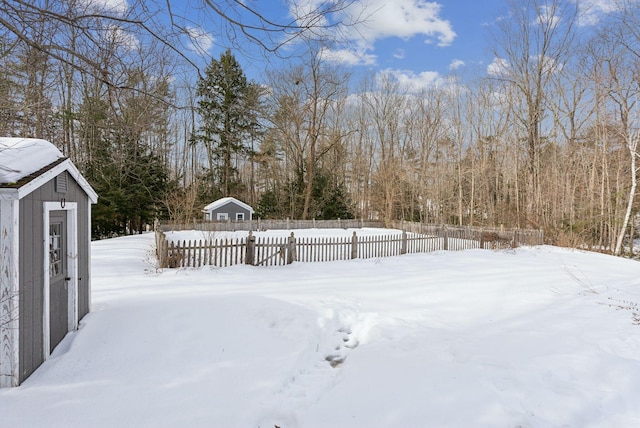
pixel 338 357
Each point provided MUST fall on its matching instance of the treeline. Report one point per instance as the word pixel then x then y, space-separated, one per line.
pixel 544 137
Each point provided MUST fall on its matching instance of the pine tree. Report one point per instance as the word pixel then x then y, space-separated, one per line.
pixel 228 121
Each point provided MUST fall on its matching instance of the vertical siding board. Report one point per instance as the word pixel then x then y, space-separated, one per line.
pixel 27 328
pixel 31 281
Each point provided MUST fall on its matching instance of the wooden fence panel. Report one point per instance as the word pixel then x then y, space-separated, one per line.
pixel 270 251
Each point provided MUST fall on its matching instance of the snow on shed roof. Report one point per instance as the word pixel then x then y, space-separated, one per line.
pixel 220 202
pixel 20 157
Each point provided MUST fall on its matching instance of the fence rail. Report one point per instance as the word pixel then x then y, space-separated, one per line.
pixel 270 251
pixel 257 225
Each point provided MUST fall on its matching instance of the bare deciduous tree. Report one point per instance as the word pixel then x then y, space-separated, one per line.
pixel 91 22
pixel 530 47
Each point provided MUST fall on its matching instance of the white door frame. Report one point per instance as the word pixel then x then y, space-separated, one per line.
pixel 71 209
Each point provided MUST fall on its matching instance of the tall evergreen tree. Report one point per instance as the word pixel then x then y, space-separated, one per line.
pixel 228 121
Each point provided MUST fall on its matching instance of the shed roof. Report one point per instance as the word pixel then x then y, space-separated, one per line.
pixel 224 201
pixel 28 163
pixel 20 157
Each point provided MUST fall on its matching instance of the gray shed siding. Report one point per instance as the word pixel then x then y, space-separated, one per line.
pixel 231 209
pixel 31 273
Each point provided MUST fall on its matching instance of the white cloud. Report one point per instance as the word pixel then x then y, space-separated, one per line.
pixel 501 67
pixel 374 20
pixel 456 64
pixel 591 11
pixel 413 82
pixel 498 67
pixel 348 57
pixel 547 17
pixel 550 65
pixel 199 40
pixel 399 54
pixel 402 18
pixel 122 38
pixel 116 7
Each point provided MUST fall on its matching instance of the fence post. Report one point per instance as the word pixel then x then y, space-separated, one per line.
pixel 291 249
pixel 354 245
pixel 445 235
pixel 403 248
pixel 173 259
pixel 164 254
pixel 162 248
pixel 249 257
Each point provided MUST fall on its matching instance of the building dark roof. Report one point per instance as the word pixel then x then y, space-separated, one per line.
pixel 28 178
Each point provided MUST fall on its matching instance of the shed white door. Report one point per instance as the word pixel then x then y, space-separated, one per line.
pixel 58 278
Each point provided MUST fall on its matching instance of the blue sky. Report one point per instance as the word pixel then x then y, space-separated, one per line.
pixel 420 42
pixel 468 20
pixel 417 41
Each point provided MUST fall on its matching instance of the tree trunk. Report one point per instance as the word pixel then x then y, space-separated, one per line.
pixel 633 146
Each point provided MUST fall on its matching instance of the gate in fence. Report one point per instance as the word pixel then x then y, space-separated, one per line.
pixel 270 251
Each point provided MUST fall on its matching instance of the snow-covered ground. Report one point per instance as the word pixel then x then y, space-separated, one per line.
pixel 533 337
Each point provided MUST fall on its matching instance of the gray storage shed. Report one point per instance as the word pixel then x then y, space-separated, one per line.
pixel 45 234
pixel 228 209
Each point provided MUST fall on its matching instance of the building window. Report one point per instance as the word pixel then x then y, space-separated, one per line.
pixel 240 216
pixel 223 216
pixel 55 249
